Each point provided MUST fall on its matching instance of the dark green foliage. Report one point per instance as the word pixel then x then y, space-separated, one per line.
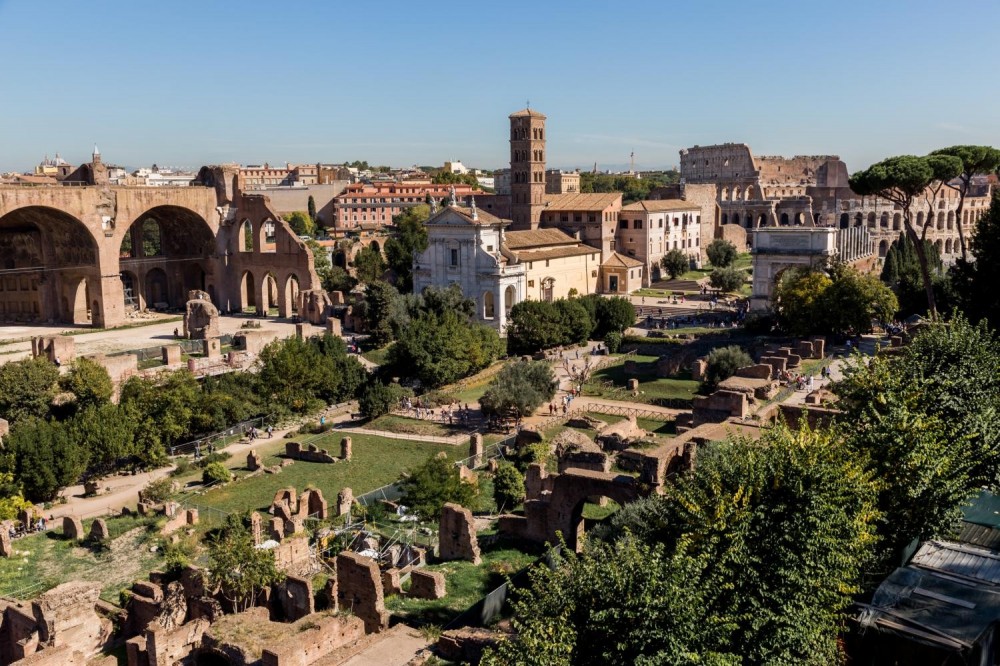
pixel 721 253
pixel 443 177
pixel 369 265
pixel 216 472
pixel 727 279
pixel 109 434
pixel 26 388
pixel 439 349
pixel 237 568
pixel 609 314
pixel 89 382
pixel 845 302
pixel 537 325
pixel 613 341
pixel 47 458
pixel 380 299
pixel 158 491
pixel 633 189
pixel 519 389
pixel 977 282
pixel 976 160
pixel 508 487
pixel 376 399
pixel 675 263
pixel 301 223
pixel 300 375
pixel 167 406
pixel 311 208
pixel 409 240
pixel 723 364
pixel 901 272
pixel 752 558
pixel 928 420
pixel 429 487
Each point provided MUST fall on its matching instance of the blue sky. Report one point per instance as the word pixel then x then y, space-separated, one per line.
pixel 191 83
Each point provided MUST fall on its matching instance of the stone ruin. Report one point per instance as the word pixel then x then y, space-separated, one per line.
pixel 315 306
pixel 457 535
pixel 575 449
pixel 65 625
pixel 427 585
pixel 73 528
pixel 295 451
pixel 99 530
pixel 346 446
pixel 201 317
pixel 359 590
pixel 621 435
pixel 54 347
pixel 345 500
pixel 254 462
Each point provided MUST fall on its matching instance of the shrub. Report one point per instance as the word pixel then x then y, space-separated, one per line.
pixel 158 491
pixel 182 467
pixel 429 487
pixel 519 389
pixel 675 263
pixel 727 279
pixel 508 487
pixel 721 253
pixel 216 473
pixel 378 399
pixel 613 341
pixel 216 457
pixel 723 364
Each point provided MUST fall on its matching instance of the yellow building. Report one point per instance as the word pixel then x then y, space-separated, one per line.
pixel 556 264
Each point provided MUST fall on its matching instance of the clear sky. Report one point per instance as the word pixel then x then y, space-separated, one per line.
pixel 190 83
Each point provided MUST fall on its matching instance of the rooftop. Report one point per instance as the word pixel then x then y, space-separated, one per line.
pixel 621 260
pixel 661 205
pixel 582 201
pixel 535 238
pixel 526 113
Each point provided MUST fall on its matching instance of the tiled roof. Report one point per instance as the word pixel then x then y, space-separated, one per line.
pixel 482 217
pixel 521 240
pixel 661 205
pixel 581 201
pixel 621 260
pixel 555 253
pixel 526 112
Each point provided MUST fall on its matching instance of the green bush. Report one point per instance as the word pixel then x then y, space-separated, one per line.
pixel 216 473
pixel 613 341
pixel 216 457
pixel 508 487
pixel 158 491
pixel 182 467
pixel 727 279
pixel 723 364
pixel 721 253
pixel 675 263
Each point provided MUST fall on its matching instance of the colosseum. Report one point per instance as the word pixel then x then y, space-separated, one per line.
pixel 813 189
pixel 85 252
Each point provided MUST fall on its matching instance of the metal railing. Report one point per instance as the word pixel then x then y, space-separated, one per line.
pixel 221 439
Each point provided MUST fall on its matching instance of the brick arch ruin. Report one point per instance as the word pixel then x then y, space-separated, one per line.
pixel 555 502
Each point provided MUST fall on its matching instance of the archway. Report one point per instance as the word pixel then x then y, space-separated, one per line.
pixel 951 220
pixel 489 306
pixel 157 289
pixel 175 241
pixel 375 246
pixel 339 259
pixel 920 220
pixel 897 222
pixel 871 220
pixel 725 218
pixel 784 219
pixel 248 292
pixel 291 295
pixel 45 257
pixel 268 295
pixel 883 248
pixel 799 219
pixel 947 246
pixel 884 220
pixel 268 229
pixel 245 241
pixel 509 296
pixel 132 294
pixel 940 221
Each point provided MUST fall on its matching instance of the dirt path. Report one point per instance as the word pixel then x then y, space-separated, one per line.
pixel 400 645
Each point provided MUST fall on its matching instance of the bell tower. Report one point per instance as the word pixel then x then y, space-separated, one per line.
pixel 527 168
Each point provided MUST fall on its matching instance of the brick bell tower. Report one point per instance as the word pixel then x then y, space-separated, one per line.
pixel 527 168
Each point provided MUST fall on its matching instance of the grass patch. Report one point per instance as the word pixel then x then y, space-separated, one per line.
pixel 596 513
pixel 376 355
pixel 466 583
pixel 408 426
pixel 375 462
pixel 138 324
pixel 653 390
pixel 44 560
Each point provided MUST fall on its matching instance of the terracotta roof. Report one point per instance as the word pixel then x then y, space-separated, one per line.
pixel 587 201
pixel 526 112
pixel 523 240
pixel 555 253
pixel 621 260
pixel 661 205
pixel 482 217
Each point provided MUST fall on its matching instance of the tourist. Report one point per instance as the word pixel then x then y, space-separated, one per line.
pixel 270 431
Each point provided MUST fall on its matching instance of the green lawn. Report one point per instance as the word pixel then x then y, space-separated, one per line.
pixel 42 561
pixel 375 462
pixel 408 426
pixel 466 584
pixel 376 356
pixel 653 390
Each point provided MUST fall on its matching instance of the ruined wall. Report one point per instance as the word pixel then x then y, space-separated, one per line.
pixel 359 590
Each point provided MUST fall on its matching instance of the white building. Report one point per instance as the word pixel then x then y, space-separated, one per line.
pixel 466 247
pixel 456 167
pixel 647 230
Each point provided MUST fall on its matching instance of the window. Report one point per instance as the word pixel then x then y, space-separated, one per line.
pixel 454 256
pixel 592 218
pixel 637 224
pixel 546 263
pixel 489 248
pixel 531 283
pixel 623 224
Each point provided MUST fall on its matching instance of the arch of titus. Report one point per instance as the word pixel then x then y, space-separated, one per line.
pixel 87 252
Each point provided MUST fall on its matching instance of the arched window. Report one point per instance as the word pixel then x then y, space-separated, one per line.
pixel 871 220
pixel 858 220
pixel 784 219
pixel 884 221
pixel 940 221
pixel 920 220
pixel 897 220
pixel 725 218
pixel 489 307
pixel 883 248
pixel 951 220
pixel 845 220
